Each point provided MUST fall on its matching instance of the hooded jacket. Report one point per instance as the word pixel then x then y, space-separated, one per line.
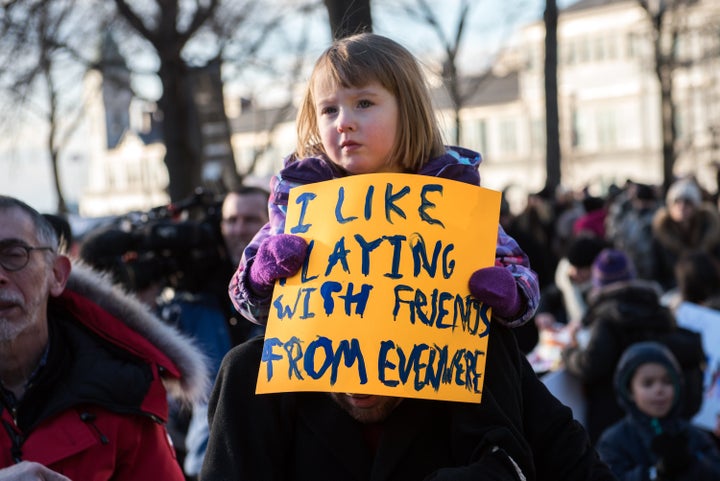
pixel 625 446
pixel 97 408
pixel 456 164
pixel 619 315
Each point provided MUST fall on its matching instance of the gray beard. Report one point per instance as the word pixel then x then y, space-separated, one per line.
pixel 9 331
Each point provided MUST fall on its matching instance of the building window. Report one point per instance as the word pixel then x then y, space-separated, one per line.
pixel 599 47
pixel 612 46
pixel 568 52
pixel 579 130
pixel 632 45
pixel 508 136
pixel 583 50
pixel 475 135
pixel 606 129
pixel 539 136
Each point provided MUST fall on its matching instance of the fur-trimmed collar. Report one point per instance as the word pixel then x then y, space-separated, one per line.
pixel 193 381
pixel 704 233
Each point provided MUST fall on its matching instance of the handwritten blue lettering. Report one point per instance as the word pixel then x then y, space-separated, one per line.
pixel 471 313
pixel 425 204
pixel 338 208
pixel 317 358
pixel 429 366
pixel 304 200
pixel 390 200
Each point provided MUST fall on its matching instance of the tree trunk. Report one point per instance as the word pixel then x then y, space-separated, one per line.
pixel 52 143
pixel 552 117
pixel 348 17
pixel 180 133
pixel 669 133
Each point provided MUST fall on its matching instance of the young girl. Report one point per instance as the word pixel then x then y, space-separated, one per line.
pixel 653 442
pixel 368 110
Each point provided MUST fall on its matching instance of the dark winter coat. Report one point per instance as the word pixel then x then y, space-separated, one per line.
pixel 619 315
pixel 307 436
pixel 98 407
pixel 670 241
pixel 626 445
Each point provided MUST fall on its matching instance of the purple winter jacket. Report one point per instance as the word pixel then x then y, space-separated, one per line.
pixel 456 164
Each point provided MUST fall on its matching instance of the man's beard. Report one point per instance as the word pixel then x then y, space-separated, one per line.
pixel 10 329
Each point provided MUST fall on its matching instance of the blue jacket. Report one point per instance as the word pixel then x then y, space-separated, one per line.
pixel 626 445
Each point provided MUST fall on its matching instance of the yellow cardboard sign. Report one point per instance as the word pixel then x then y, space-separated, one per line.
pixel 382 304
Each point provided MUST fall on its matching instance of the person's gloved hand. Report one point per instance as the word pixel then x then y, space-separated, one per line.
pixel 673 453
pixel 280 255
pixel 496 287
pixel 495 465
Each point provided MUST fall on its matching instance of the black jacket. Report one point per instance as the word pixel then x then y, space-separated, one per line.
pixel 306 436
pixel 619 315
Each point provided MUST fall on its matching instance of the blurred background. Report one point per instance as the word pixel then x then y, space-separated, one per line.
pixel 109 107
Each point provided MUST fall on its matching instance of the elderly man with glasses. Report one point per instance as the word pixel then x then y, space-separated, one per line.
pixel 84 368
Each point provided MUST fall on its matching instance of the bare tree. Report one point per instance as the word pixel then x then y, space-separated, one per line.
pixel 348 17
pixel 422 11
pixel 552 117
pixel 37 56
pixel 459 86
pixel 666 19
pixel 169 26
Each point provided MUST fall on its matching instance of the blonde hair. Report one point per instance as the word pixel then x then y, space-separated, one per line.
pixel 358 60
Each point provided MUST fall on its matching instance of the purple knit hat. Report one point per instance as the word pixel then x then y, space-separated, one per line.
pixel 611 265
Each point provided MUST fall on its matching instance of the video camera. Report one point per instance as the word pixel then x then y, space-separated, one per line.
pixel 178 245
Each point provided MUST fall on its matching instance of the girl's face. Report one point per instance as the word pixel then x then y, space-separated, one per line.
pixel 357 126
pixel 651 388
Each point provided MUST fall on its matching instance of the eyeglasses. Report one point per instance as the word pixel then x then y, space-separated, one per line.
pixel 16 256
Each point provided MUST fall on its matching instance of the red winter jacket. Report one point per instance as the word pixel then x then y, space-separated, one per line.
pixel 97 409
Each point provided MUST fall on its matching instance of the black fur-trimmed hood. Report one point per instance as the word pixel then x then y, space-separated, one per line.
pixel 187 379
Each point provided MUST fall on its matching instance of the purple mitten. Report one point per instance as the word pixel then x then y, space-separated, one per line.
pixel 280 255
pixel 496 287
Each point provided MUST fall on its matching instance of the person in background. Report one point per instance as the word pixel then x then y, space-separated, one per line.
pixel 565 301
pixel 367 109
pixel 653 442
pixel 64 232
pixel 529 231
pixel 592 221
pixel 631 229
pixel 85 369
pixel 697 274
pixel 684 223
pixel 244 212
pixel 622 310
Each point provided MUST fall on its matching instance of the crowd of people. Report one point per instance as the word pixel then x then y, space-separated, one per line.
pixel 103 379
pixel 624 263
